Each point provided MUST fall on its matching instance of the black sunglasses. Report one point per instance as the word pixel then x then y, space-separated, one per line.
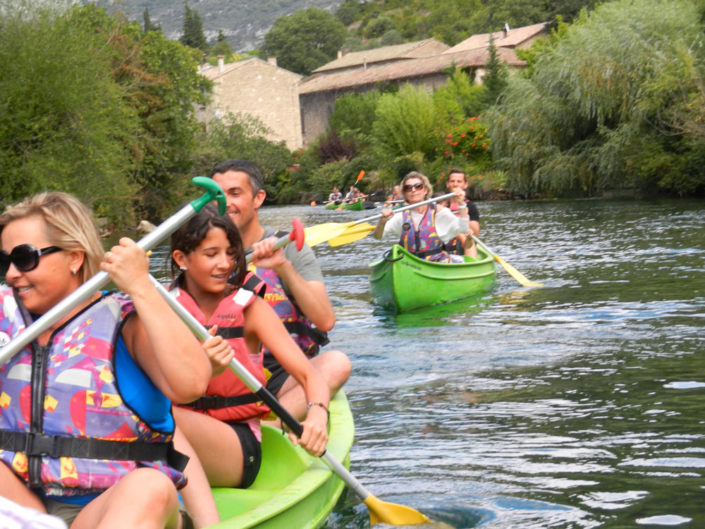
pixel 409 187
pixel 25 257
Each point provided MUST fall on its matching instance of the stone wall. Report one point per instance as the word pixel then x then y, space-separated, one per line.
pixel 262 90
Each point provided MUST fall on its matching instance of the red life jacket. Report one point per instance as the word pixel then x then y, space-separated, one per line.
pixel 423 242
pixel 307 337
pixel 64 426
pixel 227 397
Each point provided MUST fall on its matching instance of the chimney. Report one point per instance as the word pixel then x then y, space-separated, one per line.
pixel 340 54
pixel 505 31
pixel 272 61
pixel 364 63
pixel 221 64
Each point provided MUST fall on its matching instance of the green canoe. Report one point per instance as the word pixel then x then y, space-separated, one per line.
pixel 292 489
pixel 355 206
pixel 333 205
pixel 403 281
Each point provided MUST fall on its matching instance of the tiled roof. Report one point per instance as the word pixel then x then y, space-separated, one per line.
pixel 514 37
pixel 409 50
pixel 401 70
pixel 212 72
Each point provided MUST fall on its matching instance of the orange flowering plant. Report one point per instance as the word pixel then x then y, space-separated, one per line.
pixel 468 140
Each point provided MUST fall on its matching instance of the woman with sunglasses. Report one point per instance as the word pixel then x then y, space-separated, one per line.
pixel 85 413
pixel 424 231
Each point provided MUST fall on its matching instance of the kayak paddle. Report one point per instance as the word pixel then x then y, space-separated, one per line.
pixel 338 234
pixel 380 511
pixel 509 268
pixel 82 293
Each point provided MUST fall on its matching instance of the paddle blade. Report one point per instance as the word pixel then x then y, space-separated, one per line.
pixel 324 232
pixel 352 234
pixel 359 177
pixel 515 273
pixel 392 514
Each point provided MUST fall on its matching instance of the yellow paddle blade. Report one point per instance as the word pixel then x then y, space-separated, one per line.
pixel 352 234
pixel 324 232
pixel 515 273
pixel 392 514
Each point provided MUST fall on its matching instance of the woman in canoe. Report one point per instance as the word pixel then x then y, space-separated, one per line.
pixel 224 425
pixel 85 410
pixel 423 230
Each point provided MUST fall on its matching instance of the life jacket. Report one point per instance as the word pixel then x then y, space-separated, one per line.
pixel 64 426
pixel 227 397
pixel 423 242
pixel 307 337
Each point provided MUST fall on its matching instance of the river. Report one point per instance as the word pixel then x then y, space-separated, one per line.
pixel 577 404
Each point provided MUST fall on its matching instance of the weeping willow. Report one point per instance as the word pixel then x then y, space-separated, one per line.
pixel 607 104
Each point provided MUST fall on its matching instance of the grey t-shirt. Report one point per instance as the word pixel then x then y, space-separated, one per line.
pixel 304 262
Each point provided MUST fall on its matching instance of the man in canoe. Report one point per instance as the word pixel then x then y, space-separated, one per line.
pixel 295 287
pixel 424 231
pixel 463 244
pixel 335 195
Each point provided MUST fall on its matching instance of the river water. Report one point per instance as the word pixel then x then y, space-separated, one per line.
pixel 578 404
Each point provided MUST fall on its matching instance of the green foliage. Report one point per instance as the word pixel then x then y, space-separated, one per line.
pixel 354 114
pixel 598 110
pixel 305 40
pixel 148 26
pixel 378 27
pixel 459 99
pixel 222 48
pixel 469 140
pixel 63 121
pixel 242 136
pixel 348 11
pixel 496 76
pixel 192 30
pixel 406 122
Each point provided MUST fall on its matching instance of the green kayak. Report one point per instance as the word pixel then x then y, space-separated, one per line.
pixel 292 489
pixel 403 281
pixel 333 205
pixel 355 206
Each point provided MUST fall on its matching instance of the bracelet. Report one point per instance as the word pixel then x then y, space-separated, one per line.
pixel 311 404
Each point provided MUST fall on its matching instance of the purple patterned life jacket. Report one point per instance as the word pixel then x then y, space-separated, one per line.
pixel 64 426
pixel 307 337
pixel 423 242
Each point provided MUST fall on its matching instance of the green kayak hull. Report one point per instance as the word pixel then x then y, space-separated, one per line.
pixel 355 206
pixel 333 205
pixel 292 489
pixel 404 282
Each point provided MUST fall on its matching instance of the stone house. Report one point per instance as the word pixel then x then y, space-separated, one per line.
pixel 318 93
pixel 379 56
pixel 258 88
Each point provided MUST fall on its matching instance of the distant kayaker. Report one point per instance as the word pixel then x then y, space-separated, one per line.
pixel 424 230
pixel 458 179
pixel 223 425
pixel 396 195
pixel 335 195
pixel 295 287
pixel 86 425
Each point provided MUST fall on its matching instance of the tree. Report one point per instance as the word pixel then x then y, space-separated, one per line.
pixel 495 80
pixel 598 111
pixel 305 40
pixel 222 48
pixel 148 26
pixel 68 128
pixel 348 11
pixel 193 30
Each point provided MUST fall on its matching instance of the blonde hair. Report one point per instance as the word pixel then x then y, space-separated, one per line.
pixel 426 184
pixel 69 225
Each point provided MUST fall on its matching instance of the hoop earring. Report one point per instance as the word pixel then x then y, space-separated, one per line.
pixel 183 268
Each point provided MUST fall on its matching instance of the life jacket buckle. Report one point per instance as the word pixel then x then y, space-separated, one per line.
pixel 38 444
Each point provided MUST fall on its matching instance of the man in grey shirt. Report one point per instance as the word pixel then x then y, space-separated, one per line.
pixel 289 274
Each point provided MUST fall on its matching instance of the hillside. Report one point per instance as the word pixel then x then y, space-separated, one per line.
pixel 244 22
